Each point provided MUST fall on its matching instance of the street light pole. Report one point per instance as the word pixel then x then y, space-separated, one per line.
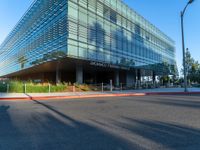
pixel 183 45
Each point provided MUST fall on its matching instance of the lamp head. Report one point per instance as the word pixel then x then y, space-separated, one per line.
pixel 190 1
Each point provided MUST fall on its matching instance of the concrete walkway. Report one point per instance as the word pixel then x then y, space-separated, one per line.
pixel 68 95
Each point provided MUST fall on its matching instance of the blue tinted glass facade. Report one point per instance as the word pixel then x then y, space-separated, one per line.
pixel 42 32
pixel 105 31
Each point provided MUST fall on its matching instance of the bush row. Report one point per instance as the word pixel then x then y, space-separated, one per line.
pixel 30 87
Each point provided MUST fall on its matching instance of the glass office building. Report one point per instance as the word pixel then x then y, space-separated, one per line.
pixel 86 41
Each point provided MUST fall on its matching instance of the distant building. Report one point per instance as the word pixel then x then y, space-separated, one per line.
pixel 86 41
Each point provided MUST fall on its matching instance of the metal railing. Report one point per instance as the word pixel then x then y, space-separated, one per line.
pixel 99 87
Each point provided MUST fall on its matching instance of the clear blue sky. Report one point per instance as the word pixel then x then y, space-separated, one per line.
pixel 164 14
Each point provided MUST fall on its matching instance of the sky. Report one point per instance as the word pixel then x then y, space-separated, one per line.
pixel 164 14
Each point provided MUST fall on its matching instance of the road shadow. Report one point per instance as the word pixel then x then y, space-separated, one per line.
pixel 10 135
pixel 52 129
pixel 166 135
pixel 173 102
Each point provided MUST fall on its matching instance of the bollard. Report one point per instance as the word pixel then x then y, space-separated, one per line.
pixel 74 88
pixel 24 88
pixel 102 87
pixel 121 86
pixel 111 86
pixel 7 88
pixel 49 88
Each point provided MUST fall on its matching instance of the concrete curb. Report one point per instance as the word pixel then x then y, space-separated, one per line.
pixel 173 93
pixel 14 98
pixel 98 95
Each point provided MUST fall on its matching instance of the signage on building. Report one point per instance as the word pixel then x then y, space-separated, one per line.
pixel 106 65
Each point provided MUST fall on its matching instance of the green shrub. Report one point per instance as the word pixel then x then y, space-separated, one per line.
pixel 16 87
pixel 3 87
pixel 37 88
pixel 85 87
pixel 59 88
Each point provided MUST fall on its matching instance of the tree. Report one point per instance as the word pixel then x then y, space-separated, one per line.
pixel 165 79
pixel 193 73
pixel 192 68
pixel 22 60
pixel 189 61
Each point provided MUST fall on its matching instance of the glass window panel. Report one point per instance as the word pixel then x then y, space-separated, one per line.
pixel 72 50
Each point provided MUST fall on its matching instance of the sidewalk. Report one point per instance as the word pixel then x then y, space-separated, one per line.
pixel 73 95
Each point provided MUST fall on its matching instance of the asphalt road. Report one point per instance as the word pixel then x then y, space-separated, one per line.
pixel 121 123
